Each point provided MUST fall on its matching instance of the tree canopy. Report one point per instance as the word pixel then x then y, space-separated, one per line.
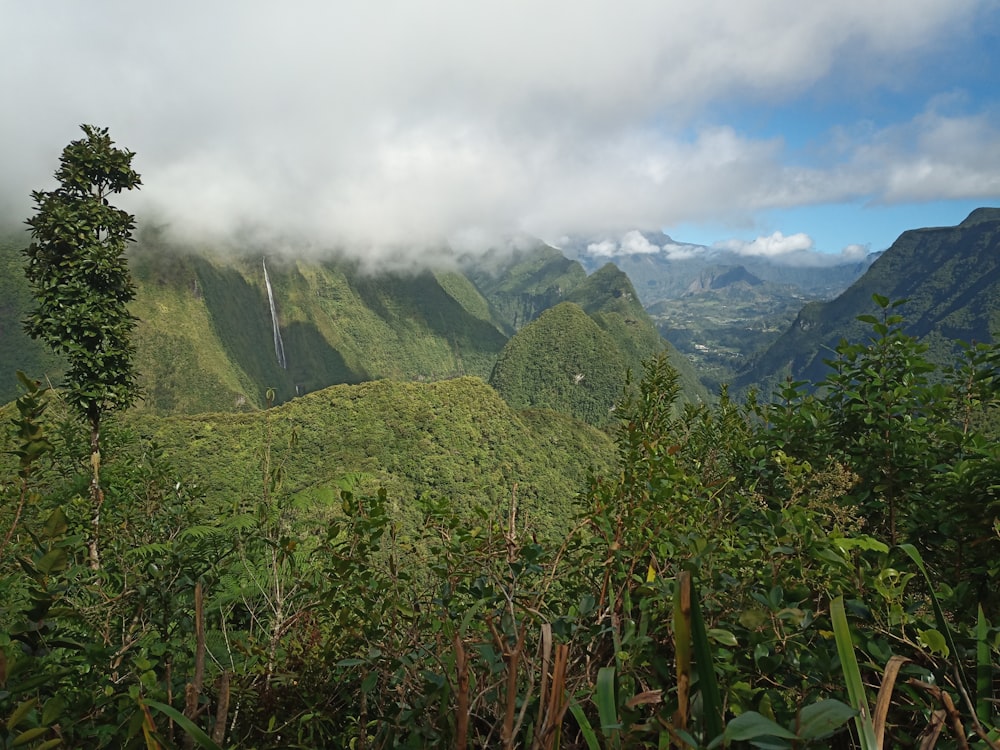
pixel 80 281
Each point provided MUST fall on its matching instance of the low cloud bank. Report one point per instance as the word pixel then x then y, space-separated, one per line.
pixel 794 250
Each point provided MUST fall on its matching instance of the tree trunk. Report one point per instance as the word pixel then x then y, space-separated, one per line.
pixel 96 493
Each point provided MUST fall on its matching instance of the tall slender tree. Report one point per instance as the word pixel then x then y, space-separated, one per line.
pixel 80 280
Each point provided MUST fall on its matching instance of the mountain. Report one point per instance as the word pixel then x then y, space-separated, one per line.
pixel 17 350
pixel 523 283
pixel 723 277
pixel 726 318
pixel 663 268
pixel 336 324
pixel 563 360
pixel 950 277
pixel 719 307
pixel 215 332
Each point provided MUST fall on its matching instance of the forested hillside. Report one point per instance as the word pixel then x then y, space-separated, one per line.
pixel 949 277
pixel 453 441
pixel 740 574
pixel 206 332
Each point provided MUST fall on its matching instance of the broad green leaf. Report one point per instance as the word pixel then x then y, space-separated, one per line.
pixel 607 709
pixel 589 736
pixel 29 735
pixel 932 639
pixel 820 719
pixel 751 725
pixel 19 713
pixel 725 637
pixel 52 710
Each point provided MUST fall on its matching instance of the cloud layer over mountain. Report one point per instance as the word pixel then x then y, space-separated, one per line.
pixel 381 126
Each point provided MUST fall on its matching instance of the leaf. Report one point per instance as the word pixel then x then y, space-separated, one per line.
pixel 820 719
pixel 589 736
pixel 932 639
pixel 56 524
pixel 19 713
pixel 607 709
pixel 725 637
pixel 53 708
pixel 711 699
pixel 752 725
pixel 852 674
pixel 866 543
pixel 185 723
pixel 29 735
pixel 984 668
pixel 939 617
pixel 53 560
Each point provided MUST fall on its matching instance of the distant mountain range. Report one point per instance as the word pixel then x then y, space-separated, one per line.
pixel 719 307
pixel 666 269
pixel 950 277
pixel 214 334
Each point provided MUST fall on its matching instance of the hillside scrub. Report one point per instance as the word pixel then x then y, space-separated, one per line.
pixel 714 586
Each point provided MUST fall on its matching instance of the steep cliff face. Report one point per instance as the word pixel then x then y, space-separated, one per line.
pixel 950 277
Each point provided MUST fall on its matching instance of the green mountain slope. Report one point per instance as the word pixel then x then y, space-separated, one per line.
pixel 205 338
pixel 949 275
pixel 520 285
pixel 17 350
pixel 607 295
pixel 563 360
pixel 456 440
pixel 205 335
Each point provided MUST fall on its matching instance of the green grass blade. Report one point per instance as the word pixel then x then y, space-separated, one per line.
pixel 589 735
pixel 984 669
pixel 607 708
pixel 939 617
pixel 709 685
pixel 852 675
pixel 203 740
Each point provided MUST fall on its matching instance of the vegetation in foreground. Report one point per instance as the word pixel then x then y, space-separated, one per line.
pixel 742 577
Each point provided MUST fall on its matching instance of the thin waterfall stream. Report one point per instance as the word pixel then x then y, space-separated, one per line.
pixel 279 346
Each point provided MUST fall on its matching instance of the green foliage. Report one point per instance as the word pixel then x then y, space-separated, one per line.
pixel 562 361
pixel 78 275
pixel 289 608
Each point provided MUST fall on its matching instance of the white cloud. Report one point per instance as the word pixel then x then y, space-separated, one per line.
pixel 682 252
pixel 855 252
pixel 774 245
pixel 381 127
pixel 634 243
pixel 603 249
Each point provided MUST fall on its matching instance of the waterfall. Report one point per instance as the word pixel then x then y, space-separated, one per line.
pixel 279 346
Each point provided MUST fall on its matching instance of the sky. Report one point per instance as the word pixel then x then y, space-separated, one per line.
pixel 393 128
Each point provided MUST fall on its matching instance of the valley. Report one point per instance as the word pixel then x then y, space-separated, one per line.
pixel 369 485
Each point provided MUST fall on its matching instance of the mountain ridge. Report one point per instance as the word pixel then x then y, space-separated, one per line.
pixel 208 323
pixel 950 277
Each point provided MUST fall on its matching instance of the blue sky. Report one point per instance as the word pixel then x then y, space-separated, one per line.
pixel 393 129
pixel 957 76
